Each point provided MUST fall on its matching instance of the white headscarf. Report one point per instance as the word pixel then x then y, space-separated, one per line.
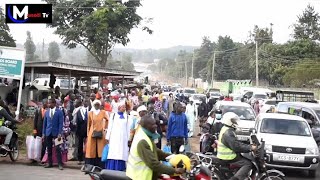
pixel 96 111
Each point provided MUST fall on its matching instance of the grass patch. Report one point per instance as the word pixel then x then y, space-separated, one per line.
pixel 24 129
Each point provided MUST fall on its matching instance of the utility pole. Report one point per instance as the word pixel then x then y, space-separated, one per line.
pixel 213 62
pixel 186 69
pixel 42 58
pixel 193 81
pixel 257 64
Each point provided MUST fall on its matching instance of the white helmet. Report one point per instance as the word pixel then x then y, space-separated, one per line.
pixel 230 119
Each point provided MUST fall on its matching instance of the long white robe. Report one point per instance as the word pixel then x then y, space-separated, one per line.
pixel 190 112
pixel 118 135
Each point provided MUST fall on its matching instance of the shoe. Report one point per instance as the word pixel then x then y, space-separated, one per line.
pixel 48 166
pixel 60 167
pixel 5 147
pixel 199 134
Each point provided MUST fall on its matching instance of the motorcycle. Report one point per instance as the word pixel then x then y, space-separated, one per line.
pixel 222 170
pixel 198 172
pixel 13 146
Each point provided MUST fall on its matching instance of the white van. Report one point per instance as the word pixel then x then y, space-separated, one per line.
pixel 289 142
pixel 62 83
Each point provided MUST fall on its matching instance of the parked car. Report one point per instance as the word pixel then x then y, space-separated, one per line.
pixel 187 92
pixel 260 96
pixel 215 95
pixel 196 98
pixel 289 142
pixel 244 111
pixel 267 104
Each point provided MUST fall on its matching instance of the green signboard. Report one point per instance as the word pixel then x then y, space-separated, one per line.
pixel 10 67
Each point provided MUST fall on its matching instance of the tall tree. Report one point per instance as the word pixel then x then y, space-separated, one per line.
pixel 5 37
pixel 54 51
pixel 30 48
pixel 202 56
pixel 96 25
pixel 226 48
pixel 308 25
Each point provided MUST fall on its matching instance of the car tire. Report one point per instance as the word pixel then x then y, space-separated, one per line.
pixel 312 173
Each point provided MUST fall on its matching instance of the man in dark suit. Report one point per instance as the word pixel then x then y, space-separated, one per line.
pixel 52 129
pixel 38 123
pixel 81 133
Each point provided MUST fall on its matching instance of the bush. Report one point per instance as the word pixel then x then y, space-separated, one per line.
pixel 24 129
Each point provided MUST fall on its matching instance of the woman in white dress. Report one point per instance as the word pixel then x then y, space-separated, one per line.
pixel 191 114
pixel 118 134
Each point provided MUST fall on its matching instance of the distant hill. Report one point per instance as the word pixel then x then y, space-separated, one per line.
pixel 79 55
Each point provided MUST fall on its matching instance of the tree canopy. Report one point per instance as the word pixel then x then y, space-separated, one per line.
pixel 54 51
pixel 96 25
pixel 30 48
pixel 5 37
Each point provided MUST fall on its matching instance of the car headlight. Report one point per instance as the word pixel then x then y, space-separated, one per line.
pixel 268 148
pixel 312 151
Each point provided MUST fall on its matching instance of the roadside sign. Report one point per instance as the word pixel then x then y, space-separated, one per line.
pixel 12 62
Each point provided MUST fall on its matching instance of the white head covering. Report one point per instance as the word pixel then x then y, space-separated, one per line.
pixel 142 108
pixel 96 102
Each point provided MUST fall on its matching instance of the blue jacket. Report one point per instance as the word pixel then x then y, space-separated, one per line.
pixel 177 126
pixel 53 126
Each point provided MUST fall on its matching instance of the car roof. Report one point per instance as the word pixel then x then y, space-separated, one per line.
pixel 280 116
pixel 303 104
pixel 198 95
pixel 233 103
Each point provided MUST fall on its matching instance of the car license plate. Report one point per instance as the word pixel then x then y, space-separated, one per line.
pixel 287 158
pixel 242 138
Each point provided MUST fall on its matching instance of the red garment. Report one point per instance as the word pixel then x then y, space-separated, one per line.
pixel 98 96
pixel 65 102
pixel 107 107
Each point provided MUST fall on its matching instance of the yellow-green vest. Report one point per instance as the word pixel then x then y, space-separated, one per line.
pixel 136 168
pixel 224 152
pixel 2 119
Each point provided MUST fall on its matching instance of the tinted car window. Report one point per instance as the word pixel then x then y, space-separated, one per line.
pixel 271 102
pixel 198 97
pixel 190 91
pixel 260 96
pixel 245 113
pixel 284 126
pixel 318 113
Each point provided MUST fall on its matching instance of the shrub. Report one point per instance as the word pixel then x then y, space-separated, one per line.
pixel 24 129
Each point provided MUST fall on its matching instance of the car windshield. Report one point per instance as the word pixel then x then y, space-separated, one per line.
pixel 260 96
pixel 245 113
pixel 189 91
pixel 271 102
pixel 285 126
pixel 214 94
pixel 198 97
pixel 318 113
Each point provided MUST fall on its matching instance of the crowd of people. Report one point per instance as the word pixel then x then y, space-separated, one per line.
pixel 86 124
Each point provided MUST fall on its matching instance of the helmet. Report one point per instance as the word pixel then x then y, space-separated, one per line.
pixel 230 119
pixel 181 161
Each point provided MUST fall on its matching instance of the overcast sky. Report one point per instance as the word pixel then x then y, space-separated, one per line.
pixel 185 22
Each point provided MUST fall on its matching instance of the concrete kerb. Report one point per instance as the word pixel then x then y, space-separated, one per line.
pixel 68 165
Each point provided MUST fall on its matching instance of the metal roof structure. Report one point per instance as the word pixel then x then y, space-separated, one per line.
pixel 47 67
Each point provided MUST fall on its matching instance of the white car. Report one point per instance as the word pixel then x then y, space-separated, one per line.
pixel 289 142
pixel 267 104
pixel 257 96
pixel 196 98
pixel 244 111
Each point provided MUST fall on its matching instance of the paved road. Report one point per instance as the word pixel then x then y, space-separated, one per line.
pixel 300 175
pixel 27 172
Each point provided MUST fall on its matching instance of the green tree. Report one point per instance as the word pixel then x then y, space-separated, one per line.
pixel 30 48
pixel 202 56
pixel 127 63
pixel 226 48
pixel 5 37
pixel 54 51
pixel 308 25
pixel 96 25
pixel 302 73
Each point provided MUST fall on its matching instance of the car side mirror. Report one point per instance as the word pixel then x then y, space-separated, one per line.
pixel 253 130
pixel 181 149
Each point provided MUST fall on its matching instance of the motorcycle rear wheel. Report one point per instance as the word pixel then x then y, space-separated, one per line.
pixel 272 176
pixel 14 154
pixel 216 176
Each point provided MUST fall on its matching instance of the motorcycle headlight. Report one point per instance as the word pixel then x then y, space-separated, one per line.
pixel 312 151
pixel 268 148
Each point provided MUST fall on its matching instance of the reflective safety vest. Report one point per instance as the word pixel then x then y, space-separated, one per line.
pixel 2 119
pixel 224 153
pixel 136 168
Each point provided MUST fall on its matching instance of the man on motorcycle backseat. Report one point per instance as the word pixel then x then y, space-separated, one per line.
pixel 4 116
pixel 144 159
pixel 229 148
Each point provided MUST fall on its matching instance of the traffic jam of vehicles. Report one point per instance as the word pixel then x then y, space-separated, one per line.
pixel 285 122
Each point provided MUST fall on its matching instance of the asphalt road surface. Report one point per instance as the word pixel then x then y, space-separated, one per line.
pixel 27 172
pixel 300 175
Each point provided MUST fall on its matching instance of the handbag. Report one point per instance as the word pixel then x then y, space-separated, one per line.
pixel 96 134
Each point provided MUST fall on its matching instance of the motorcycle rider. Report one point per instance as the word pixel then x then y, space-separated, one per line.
pixel 144 158
pixel 4 130
pixel 229 148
